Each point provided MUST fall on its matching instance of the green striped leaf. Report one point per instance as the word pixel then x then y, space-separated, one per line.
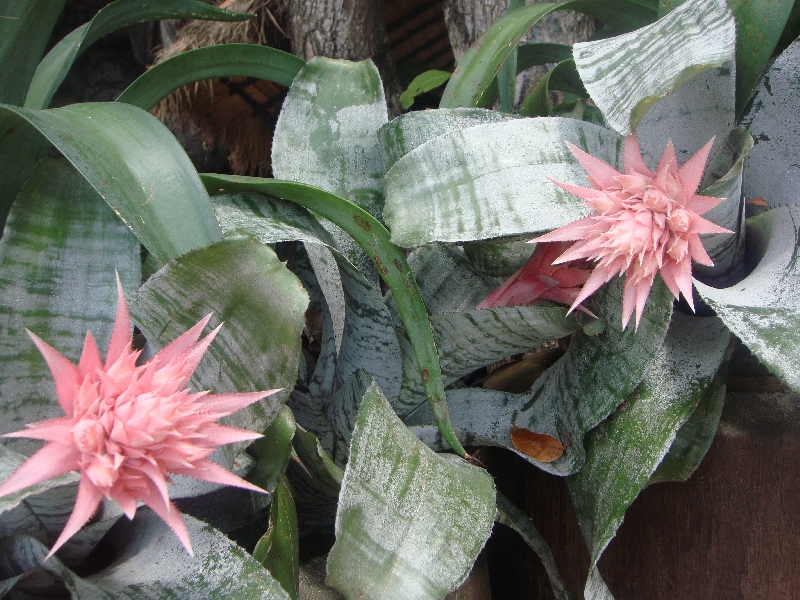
pixel 57 258
pixel 627 74
pixel 25 28
pixel 773 119
pixel 55 66
pixel 138 167
pixel 623 452
pixel 763 310
pixel 491 180
pixel 224 60
pixel 432 515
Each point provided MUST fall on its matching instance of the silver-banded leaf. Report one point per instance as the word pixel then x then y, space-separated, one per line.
pixel 58 254
pixel 25 28
pixel 763 310
pixel 490 181
pixel 402 134
pixel 342 411
pixel 469 340
pixel 623 452
pixel 138 167
pixel 626 74
pixel 368 340
pixel 262 306
pixel 435 512
pixel 219 568
pixel 55 66
pixel 773 118
pixel 725 249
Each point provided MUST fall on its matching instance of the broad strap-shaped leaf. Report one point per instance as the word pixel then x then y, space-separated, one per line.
pixel 623 452
pixel 404 133
pixel 278 550
pixel 55 66
pixel 478 68
pixel 58 254
pixel 508 514
pixel 563 77
pixel 491 180
pixel 367 340
pixel 432 515
pixel 773 118
pixel 138 167
pixel 272 454
pixel 759 25
pixel 763 310
pixel 25 28
pixel 219 568
pixel 373 238
pixel 262 306
pixel 421 84
pixel 224 60
pixel 627 74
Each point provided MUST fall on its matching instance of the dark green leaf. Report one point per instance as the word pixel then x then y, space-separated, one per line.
pixel 432 515
pixel 422 83
pixel 262 306
pixel 622 15
pixel 138 167
pixel 279 548
pixel 57 258
pixel 224 60
pixel 55 66
pixel 25 27
pixel 563 77
pixel 272 454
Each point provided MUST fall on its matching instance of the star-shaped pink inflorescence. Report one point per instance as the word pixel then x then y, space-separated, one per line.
pixel 129 427
pixel 643 223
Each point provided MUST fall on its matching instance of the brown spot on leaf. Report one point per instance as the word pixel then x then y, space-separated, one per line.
pixel 362 222
pixel 539 446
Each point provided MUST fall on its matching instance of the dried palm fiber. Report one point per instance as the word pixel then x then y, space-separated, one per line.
pixel 236 115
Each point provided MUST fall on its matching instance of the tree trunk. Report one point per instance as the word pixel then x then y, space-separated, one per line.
pixel 349 29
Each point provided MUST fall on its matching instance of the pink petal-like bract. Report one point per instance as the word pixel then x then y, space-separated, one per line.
pixel 643 223
pixel 129 427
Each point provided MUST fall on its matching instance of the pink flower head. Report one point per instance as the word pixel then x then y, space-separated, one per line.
pixel 539 279
pixel 129 427
pixel 643 223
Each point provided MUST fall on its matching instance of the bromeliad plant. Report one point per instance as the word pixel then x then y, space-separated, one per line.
pixel 459 188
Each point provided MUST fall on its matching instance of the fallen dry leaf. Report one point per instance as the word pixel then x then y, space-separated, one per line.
pixel 539 446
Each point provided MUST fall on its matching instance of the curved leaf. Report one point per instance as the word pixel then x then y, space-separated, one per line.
pixel 773 119
pixel 623 452
pixel 138 167
pixel 262 306
pixel 422 83
pixel 55 66
pixel 478 68
pixel 432 517
pixel 763 310
pixel 627 74
pixel 404 133
pixel 57 256
pixel 272 453
pixel 279 548
pixel 25 28
pixel 622 15
pixel 491 180
pixel 562 77
pixel 390 261
pixel 224 60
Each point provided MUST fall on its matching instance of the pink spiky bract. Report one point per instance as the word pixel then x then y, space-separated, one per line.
pixel 644 223
pixel 129 427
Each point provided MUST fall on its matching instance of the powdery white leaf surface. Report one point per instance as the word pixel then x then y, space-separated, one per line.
pixel 490 181
pixel 404 133
pixel 773 118
pixel 58 254
pixel 410 522
pixel 626 74
pixel 763 309
pixel 623 452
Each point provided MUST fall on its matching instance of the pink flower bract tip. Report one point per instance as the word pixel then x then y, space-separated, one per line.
pixel 128 427
pixel 643 223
